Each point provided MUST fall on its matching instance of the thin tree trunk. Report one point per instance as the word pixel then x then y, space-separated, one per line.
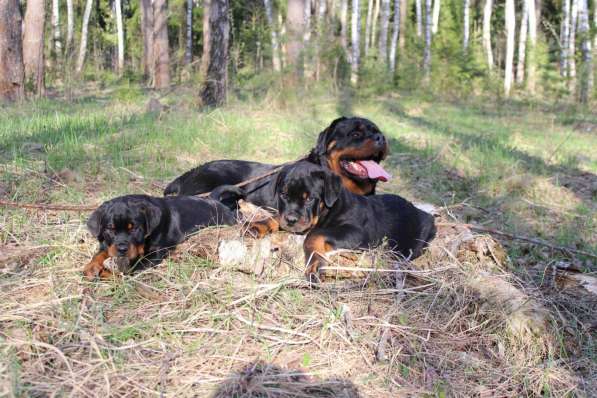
pixel 586 73
pixel 395 33
pixel 344 24
pixel 11 52
pixel 487 10
pixel 466 27
pixel 403 16
pixel 355 35
pixel 368 26
pixel 307 28
pixel 427 50
pixel 84 34
pixel 33 45
pixel 564 37
pixel 120 34
pixel 436 8
pixel 532 55
pixel 384 23
pixel 572 47
pixel 320 36
pixel 419 18
pixel 510 20
pixel 206 38
pixel 522 41
pixel 214 90
pixel 374 19
pixel 274 35
pixel 56 27
pixel 70 25
pixel 188 54
pixel 295 22
pixel 161 48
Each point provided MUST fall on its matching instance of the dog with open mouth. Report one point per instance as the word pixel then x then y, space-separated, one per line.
pixel 350 147
pixel 312 200
pixel 139 230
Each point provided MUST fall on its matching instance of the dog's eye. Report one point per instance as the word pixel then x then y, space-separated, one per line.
pixel 310 199
pixel 356 134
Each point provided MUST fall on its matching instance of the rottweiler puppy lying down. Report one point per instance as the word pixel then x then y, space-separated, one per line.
pixel 140 230
pixel 312 200
pixel 352 148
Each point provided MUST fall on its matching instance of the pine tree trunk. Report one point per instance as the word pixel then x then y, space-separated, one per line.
pixel 384 22
pixel 487 10
pixel 368 26
pixel 120 35
pixel 436 8
pixel 56 28
pixel 214 90
pixel 532 55
pixel 11 52
pixel 274 35
pixel 161 48
pixel 403 16
pixel 510 21
pixel 206 38
pixel 395 33
pixel 466 27
pixel 572 47
pixel 355 35
pixel 564 37
pixel 344 24
pixel 84 35
pixel 419 18
pixel 295 22
pixel 427 50
pixel 70 26
pixel 374 19
pixel 33 45
pixel 586 71
pixel 522 41
pixel 188 53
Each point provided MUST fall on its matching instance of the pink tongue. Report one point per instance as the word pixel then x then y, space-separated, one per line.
pixel 374 170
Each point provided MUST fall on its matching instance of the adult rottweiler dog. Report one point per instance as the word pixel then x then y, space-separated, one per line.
pixel 140 227
pixel 351 147
pixel 313 201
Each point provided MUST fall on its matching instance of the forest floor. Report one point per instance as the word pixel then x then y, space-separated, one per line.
pixel 527 169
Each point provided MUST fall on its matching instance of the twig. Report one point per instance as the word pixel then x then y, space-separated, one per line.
pixel 62 207
pixel 539 242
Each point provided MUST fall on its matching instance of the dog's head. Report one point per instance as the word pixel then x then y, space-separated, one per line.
pixel 353 148
pixel 124 224
pixel 304 190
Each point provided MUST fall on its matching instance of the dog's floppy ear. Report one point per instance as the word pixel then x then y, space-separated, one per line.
pixel 94 223
pixel 332 184
pixel 323 140
pixel 153 216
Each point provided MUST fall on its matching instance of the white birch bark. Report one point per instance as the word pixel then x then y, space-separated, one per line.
pixel 188 52
pixel 427 51
pixel 564 37
pixel 384 22
pixel 368 26
pixel 70 25
pixel 56 27
pixel 269 14
pixel 572 46
pixel 84 30
pixel 532 56
pixel 419 18
pixel 374 19
pixel 586 74
pixel 522 41
pixel 466 27
pixel 487 10
pixel 307 16
pixel 120 32
pixel 510 20
pixel 355 33
pixel 436 8
pixel 395 33
pixel 344 24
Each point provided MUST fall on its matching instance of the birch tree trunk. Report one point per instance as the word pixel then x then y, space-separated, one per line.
pixel 321 10
pixel 206 38
pixel 12 76
pixel 419 18
pixel 120 33
pixel 84 35
pixel 466 27
pixel 214 90
pixel 307 28
pixel 522 41
pixel 586 73
pixel 355 35
pixel 564 37
pixel 395 33
pixel 161 48
pixel 70 25
pixel 56 27
pixel 487 10
pixel 368 26
pixel 532 55
pixel 188 53
pixel 572 46
pixel 269 14
pixel 403 16
pixel 383 30
pixel 33 45
pixel 436 8
pixel 510 20
pixel 344 24
pixel 427 51
pixel 374 19
pixel 295 23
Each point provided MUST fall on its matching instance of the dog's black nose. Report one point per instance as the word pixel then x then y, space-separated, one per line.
pixel 379 139
pixel 122 248
pixel 290 219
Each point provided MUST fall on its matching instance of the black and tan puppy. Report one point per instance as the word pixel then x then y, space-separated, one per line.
pixel 352 148
pixel 312 200
pixel 140 227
